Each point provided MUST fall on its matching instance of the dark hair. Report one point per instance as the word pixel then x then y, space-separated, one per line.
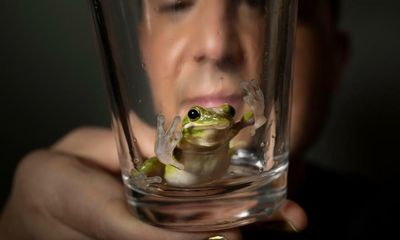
pixel 335 8
pixel 307 12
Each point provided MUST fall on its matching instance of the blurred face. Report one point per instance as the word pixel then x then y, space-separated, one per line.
pixel 319 59
pixel 197 51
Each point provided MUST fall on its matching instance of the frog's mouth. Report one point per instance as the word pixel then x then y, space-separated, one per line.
pixel 215 125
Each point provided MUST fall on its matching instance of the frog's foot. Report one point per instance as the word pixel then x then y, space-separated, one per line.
pixel 254 98
pixel 167 141
pixel 179 178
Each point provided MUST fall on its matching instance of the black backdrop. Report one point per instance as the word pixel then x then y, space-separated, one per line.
pixel 50 83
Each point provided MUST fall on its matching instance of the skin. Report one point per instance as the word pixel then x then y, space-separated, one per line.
pixel 71 189
pixel 200 65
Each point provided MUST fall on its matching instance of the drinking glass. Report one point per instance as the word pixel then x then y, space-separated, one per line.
pixel 200 95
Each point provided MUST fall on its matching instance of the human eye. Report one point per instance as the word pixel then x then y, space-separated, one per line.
pixel 175 6
pixel 256 4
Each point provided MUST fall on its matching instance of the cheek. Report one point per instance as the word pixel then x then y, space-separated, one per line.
pixel 253 42
pixel 304 73
pixel 161 59
pixel 308 96
pixel 306 68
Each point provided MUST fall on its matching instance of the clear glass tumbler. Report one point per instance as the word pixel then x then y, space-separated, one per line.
pixel 200 93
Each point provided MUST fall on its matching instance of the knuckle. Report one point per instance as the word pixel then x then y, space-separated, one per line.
pixel 36 166
pixel 31 178
pixel 80 132
pixel 80 138
pixel 30 161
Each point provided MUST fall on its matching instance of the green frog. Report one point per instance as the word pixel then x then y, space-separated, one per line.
pixel 200 153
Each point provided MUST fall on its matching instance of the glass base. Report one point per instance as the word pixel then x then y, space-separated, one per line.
pixel 226 203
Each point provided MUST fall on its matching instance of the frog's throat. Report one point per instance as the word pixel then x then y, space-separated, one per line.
pixel 188 147
pixel 206 139
pixel 194 149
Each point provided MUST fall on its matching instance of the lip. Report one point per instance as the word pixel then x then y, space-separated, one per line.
pixel 214 100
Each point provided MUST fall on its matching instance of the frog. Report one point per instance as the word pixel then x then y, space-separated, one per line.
pixel 200 152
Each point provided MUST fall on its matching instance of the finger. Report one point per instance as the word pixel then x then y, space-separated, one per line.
pixel 91 201
pixel 259 94
pixel 257 90
pixel 290 215
pixel 96 145
pixel 160 125
pixel 172 128
pixel 34 193
pixel 250 101
pixel 160 133
pixel 125 222
pixel 177 138
pixel 252 92
pixel 294 214
pixel 249 86
pixel 289 218
pixel 254 85
pixel 245 86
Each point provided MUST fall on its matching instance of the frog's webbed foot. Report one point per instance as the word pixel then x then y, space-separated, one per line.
pixel 254 98
pixel 167 141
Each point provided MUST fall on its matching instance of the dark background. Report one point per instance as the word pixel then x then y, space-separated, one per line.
pixel 50 83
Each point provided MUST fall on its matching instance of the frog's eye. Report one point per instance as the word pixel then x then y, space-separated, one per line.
pixel 193 114
pixel 232 111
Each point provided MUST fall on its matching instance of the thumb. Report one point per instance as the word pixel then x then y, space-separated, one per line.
pixel 290 217
pixel 294 215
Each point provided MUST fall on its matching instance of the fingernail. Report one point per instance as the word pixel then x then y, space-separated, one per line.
pixel 217 237
pixel 292 226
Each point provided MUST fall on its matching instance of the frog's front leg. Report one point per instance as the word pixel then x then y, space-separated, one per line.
pixel 167 141
pixel 255 99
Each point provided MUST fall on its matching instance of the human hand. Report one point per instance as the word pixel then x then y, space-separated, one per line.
pixel 72 191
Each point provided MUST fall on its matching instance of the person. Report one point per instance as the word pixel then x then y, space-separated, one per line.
pixel 71 189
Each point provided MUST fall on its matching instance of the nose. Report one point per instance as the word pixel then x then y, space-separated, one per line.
pixel 217 39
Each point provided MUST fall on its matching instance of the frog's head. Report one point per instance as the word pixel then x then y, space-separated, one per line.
pixel 208 127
